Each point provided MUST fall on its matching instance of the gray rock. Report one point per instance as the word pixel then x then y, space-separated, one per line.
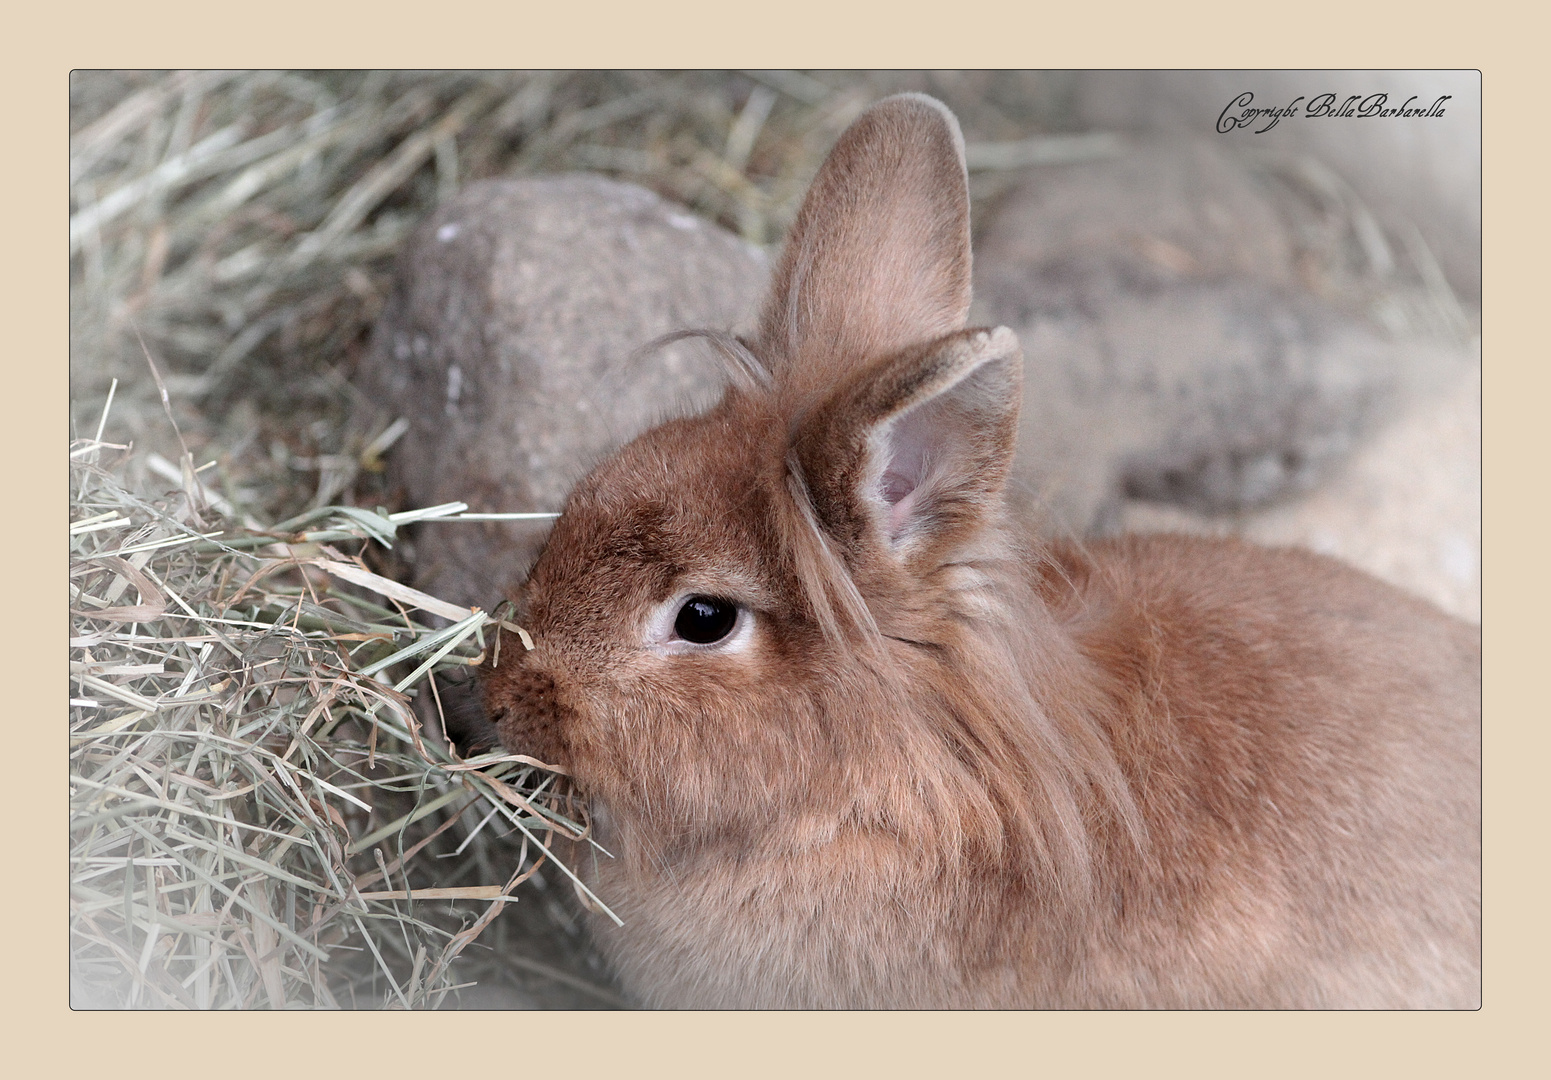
pixel 511 343
pixel 1199 328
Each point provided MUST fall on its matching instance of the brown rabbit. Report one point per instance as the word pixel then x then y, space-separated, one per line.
pixel 856 739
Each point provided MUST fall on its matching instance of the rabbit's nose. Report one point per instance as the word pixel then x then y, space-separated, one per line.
pixel 525 706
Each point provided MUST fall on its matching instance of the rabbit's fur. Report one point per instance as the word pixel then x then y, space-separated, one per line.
pixel 939 762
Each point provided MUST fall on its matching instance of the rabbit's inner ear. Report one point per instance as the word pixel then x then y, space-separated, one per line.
pixel 911 456
pixel 906 450
pixel 945 457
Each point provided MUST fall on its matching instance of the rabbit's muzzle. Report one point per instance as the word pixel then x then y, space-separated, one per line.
pixel 525 706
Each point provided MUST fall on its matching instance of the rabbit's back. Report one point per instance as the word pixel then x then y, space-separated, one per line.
pixel 1303 745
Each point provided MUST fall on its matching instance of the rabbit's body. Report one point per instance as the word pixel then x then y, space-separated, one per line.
pixel 856 738
pixel 1270 760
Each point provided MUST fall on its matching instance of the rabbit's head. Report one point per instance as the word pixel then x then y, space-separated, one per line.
pixel 744 611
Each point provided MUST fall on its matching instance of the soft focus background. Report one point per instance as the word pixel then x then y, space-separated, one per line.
pixel 240 229
pixel 245 226
pixel 1407 505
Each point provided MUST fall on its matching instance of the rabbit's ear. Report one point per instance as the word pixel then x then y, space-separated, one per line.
pixel 908 460
pixel 878 258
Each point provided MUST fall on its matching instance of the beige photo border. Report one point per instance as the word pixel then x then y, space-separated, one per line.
pixel 46 1038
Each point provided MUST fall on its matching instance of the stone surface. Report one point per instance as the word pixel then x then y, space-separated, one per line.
pixel 511 344
pixel 1406 507
pixel 1199 329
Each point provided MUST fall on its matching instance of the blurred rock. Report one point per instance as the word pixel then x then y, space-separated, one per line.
pixel 1422 172
pixel 1406 507
pixel 1201 327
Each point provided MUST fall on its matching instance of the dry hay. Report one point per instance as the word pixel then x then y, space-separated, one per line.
pixel 244 224
pixel 251 794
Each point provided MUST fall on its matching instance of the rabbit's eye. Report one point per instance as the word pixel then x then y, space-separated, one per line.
pixel 704 620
